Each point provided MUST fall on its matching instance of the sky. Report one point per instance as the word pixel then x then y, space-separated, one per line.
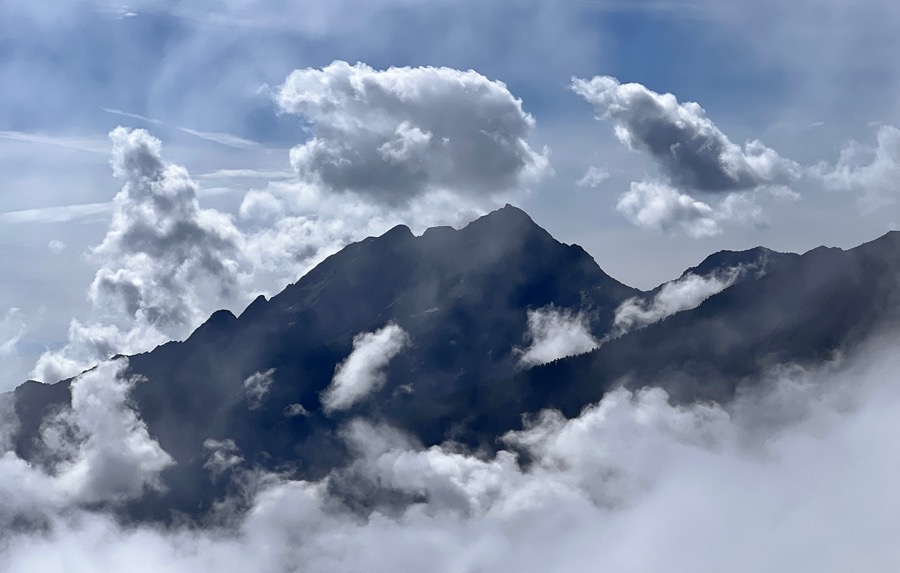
pixel 162 159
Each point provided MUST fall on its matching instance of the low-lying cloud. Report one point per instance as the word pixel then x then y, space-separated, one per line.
pixel 769 482
pixel 555 333
pixel 362 372
pixel 675 296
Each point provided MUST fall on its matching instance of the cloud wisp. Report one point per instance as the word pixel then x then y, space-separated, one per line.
pixel 684 293
pixel 362 372
pixel 555 333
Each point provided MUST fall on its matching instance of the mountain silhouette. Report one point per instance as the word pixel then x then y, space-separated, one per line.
pixel 463 297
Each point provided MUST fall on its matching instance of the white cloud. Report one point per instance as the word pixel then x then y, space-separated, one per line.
pixel 162 262
pixel 689 148
pixel 256 387
pixel 295 410
pixel 362 372
pixel 658 206
pixel 786 467
pixel 61 214
pixel 56 246
pixel 397 133
pixel 593 177
pixel 872 172
pixel 675 296
pixel 224 456
pixel 555 333
pixel 101 450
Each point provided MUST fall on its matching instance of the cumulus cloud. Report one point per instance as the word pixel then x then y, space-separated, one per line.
pixel 162 258
pixel 555 333
pixel 658 206
pixel 872 172
pixel 688 147
pixel 675 296
pixel 362 372
pixel 397 133
pixel 768 482
pixel 256 387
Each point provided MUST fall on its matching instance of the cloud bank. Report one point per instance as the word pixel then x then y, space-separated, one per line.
pixel 768 482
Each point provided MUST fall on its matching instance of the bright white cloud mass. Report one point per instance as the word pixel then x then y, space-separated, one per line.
pixel 786 467
pixel 555 333
pixel 684 293
pixel 362 372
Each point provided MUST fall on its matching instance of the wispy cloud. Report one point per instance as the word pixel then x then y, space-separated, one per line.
pixel 221 138
pixel 60 214
pixel 78 143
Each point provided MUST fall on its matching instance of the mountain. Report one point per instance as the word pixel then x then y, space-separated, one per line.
pixel 813 307
pixel 462 297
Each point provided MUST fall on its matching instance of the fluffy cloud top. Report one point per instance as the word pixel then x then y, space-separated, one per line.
pixel 688 147
pixel 871 171
pixel 396 133
pixel 362 372
pixel 658 206
pixel 162 261
pixel 555 333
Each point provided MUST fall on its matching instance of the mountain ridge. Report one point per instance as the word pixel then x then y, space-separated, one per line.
pixel 463 297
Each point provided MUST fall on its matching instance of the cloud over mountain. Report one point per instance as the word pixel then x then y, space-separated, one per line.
pixel 161 257
pixel 362 372
pixel 784 467
pixel 684 293
pixel 555 333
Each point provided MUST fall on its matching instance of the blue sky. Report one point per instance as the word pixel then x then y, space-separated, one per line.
pixel 805 78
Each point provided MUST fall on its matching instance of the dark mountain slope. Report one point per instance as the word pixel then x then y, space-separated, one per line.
pixel 461 295
pixel 822 302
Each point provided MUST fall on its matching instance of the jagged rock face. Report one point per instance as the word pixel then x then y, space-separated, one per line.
pixel 461 299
